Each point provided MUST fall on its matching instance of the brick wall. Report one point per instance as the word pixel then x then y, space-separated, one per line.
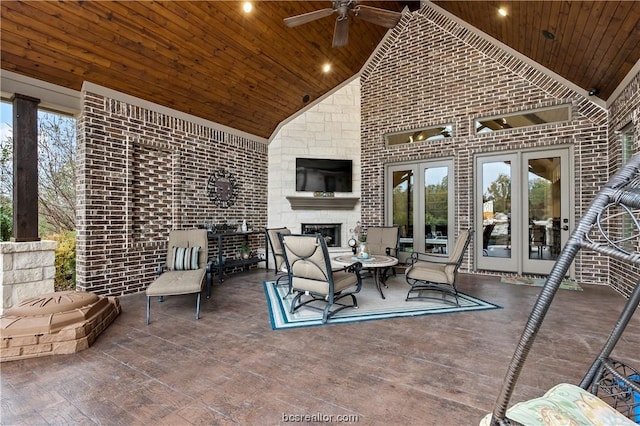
pixel 433 70
pixel 142 173
pixel 624 111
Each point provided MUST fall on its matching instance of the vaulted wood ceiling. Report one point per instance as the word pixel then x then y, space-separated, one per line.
pixel 250 72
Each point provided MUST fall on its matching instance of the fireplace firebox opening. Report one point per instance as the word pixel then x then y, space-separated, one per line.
pixel 330 231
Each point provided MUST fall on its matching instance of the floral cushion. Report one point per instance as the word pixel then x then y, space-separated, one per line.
pixel 564 404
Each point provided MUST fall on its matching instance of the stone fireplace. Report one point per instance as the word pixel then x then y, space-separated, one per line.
pixel 332 232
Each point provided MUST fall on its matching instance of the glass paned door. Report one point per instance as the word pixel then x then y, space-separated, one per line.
pixel 402 200
pixel 420 201
pixel 436 209
pixel 496 200
pixel 523 211
pixel 546 208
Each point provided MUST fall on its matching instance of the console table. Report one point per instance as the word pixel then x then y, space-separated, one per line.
pixel 224 262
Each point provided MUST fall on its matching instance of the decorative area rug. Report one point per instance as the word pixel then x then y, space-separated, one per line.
pixel 566 284
pixel 370 306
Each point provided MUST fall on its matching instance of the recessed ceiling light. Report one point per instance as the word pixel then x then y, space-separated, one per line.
pixel 247 7
pixel 326 68
pixel 502 11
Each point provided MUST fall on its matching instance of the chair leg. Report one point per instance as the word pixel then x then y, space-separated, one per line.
pixel 148 308
pixel 198 307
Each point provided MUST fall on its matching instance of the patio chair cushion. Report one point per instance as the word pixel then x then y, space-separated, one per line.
pixel 172 283
pixel 185 258
pixel 564 404
pixel 436 272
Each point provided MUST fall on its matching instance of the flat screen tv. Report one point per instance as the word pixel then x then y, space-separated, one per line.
pixel 323 175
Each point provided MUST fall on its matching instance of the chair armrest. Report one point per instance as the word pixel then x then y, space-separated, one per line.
pixel 354 267
pixel 429 257
pixel 391 251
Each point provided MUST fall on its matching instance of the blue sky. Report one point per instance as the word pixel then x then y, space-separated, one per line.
pixel 6 119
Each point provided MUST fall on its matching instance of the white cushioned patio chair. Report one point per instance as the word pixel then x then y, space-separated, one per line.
pixel 430 273
pixel 314 284
pixel 186 267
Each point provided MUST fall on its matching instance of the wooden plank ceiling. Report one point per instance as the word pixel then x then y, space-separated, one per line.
pixel 250 72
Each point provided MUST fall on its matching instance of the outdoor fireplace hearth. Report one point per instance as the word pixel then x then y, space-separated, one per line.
pixel 330 231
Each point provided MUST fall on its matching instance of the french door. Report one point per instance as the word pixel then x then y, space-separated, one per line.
pixel 420 201
pixel 523 210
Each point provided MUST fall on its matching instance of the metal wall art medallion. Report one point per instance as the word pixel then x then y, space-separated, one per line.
pixel 222 188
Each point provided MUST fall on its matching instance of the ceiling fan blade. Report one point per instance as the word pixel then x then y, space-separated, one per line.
pixel 383 17
pixel 341 32
pixel 294 21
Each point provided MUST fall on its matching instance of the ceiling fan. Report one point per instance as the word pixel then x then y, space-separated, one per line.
pixel 344 8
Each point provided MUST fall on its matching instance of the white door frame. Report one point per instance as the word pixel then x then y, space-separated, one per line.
pixel 418 169
pixel 519 261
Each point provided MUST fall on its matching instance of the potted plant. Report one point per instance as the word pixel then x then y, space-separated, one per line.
pixel 245 251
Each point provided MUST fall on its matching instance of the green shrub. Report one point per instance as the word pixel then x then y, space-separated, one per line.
pixel 6 222
pixel 65 260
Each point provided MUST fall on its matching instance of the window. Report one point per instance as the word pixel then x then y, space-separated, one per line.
pixel 629 230
pixel 420 135
pixel 627 143
pixel 523 119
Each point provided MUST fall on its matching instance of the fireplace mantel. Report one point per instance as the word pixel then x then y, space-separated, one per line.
pixel 323 203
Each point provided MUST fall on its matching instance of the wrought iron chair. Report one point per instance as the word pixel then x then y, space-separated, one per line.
pixel 186 268
pixel 610 227
pixel 428 273
pixel 383 240
pixel 314 284
pixel 279 262
pixel 486 237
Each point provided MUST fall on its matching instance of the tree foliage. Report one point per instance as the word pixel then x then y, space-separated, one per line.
pixel 56 176
pixel 499 191
pixel 57 172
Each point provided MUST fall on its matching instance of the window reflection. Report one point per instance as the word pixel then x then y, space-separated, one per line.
pixel 420 135
pixel 403 207
pixel 523 119
pixel 496 209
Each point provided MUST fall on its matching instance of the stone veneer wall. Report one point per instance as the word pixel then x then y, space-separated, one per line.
pixel 28 270
pixel 142 173
pixel 624 111
pixel 433 70
pixel 328 129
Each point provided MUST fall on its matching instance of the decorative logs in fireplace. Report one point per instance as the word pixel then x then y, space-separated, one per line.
pixel 330 231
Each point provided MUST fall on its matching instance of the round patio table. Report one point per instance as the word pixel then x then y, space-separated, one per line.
pixel 376 263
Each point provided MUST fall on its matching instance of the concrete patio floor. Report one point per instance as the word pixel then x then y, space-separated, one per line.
pixel 230 368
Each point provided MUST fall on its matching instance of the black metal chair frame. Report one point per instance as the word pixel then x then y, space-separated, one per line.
pixel 333 297
pixel 279 273
pixel 596 232
pixel 419 286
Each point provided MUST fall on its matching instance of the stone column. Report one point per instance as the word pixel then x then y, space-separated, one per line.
pixel 28 269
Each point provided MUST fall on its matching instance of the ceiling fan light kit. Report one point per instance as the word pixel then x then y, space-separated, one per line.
pixel 382 17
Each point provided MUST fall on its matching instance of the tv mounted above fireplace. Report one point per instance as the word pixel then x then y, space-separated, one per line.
pixel 323 175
